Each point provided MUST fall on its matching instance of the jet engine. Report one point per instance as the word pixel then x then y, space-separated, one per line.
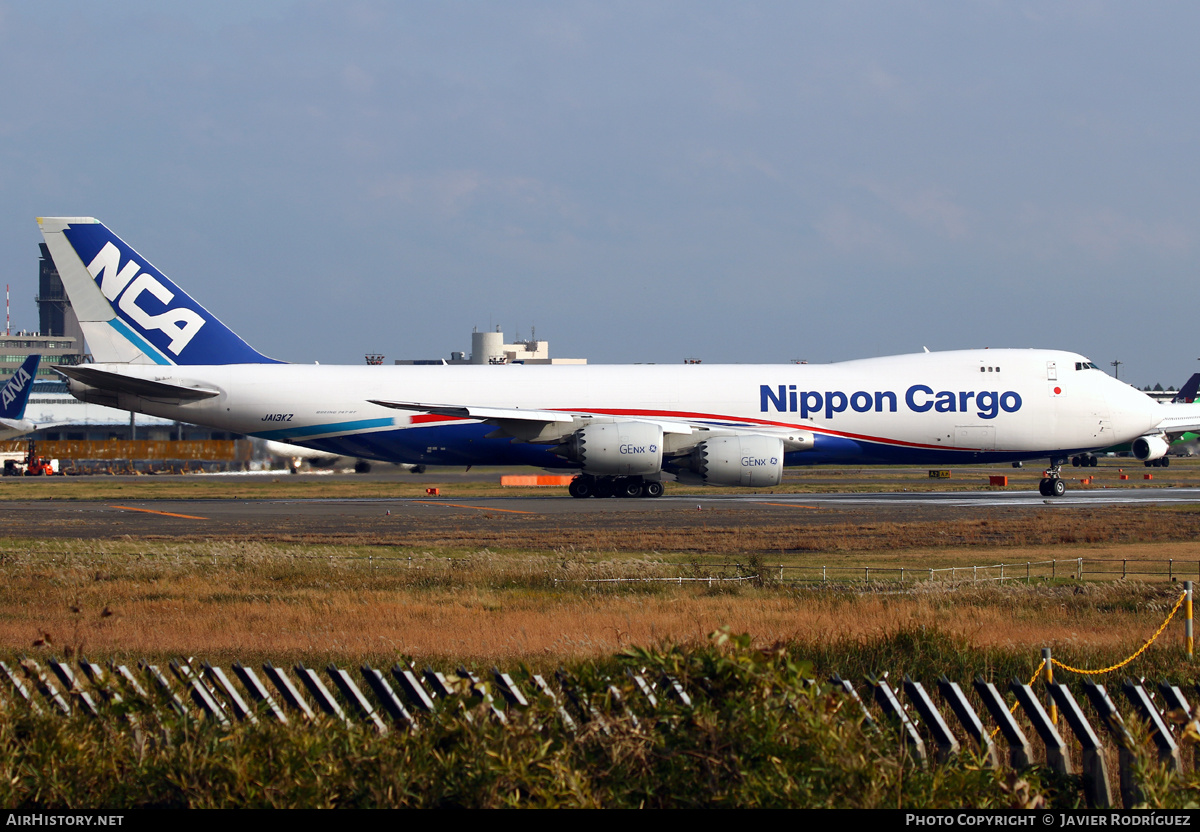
pixel 1154 446
pixel 748 461
pixel 616 449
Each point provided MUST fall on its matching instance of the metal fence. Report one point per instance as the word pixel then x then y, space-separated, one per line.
pixel 120 450
pixel 756 570
pixel 930 729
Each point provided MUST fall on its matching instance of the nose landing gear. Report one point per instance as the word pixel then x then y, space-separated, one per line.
pixel 1052 484
pixel 1052 487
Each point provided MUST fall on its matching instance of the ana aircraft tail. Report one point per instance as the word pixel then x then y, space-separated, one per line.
pixel 131 312
pixel 15 393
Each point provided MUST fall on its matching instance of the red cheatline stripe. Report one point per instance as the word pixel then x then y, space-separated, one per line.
pixel 163 513
pixel 715 417
pixel 751 421
pixel 477 508
pixel 421 418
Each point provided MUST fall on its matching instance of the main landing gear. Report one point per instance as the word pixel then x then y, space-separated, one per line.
pixel 1161 462
pixel 1084 461
pixel 585 485
pixel 1052 485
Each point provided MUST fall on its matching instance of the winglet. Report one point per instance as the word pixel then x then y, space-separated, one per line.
pixel 14 396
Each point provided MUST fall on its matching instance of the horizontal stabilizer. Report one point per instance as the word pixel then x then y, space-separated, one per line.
pixel 117 383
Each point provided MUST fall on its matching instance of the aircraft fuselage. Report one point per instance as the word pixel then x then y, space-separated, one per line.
pixel 926 408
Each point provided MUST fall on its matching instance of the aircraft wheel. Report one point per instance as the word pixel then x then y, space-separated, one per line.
pixel 652 489
pixel 629 487
pixel 1148 463
pixel 1074 462
pixel 1166 462
pixel 1044 487
pixel 580 487
pixel 362 467
pixel 1057 487
pixel 603 487
pixel 1093 461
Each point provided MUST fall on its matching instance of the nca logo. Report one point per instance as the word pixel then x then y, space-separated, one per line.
pixel 14 387
pixel 129 283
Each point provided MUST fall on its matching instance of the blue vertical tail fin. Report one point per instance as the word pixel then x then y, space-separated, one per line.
pixel 129 311
pixel 1187 393
pixel 14 395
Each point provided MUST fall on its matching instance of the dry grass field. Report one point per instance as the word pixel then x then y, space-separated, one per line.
pixel 230 599
pixel 508 588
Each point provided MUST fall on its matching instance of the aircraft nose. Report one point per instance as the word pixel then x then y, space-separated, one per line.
pixel 1133 412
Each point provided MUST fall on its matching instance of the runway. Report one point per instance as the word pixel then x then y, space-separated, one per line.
pixel 388 517
pixel 1011 499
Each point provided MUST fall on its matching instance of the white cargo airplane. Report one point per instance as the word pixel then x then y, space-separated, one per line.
pixel 14 396
pixel 624 428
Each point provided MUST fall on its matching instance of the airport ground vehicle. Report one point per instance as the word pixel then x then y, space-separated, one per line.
pixel 30 465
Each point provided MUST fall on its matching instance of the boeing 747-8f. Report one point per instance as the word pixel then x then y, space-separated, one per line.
pixel 625 429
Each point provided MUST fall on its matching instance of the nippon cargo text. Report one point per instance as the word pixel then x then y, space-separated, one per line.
pixel 920 398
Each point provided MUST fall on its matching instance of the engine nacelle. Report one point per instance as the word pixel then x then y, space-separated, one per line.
pixel 748 461
pixel 1150 447
pixel 617 449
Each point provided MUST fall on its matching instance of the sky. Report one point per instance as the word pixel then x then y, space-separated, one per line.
pixel 641 181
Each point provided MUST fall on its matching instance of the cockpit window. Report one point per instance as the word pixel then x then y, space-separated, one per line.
pixel 1085 365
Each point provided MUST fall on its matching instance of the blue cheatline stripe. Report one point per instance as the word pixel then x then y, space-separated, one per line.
pixel 139 342
pixel 334 427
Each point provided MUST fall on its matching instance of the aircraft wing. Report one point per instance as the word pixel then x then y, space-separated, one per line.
pixel 1180 418
pixel 499 415
pixel 481 413
pixel 552 426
